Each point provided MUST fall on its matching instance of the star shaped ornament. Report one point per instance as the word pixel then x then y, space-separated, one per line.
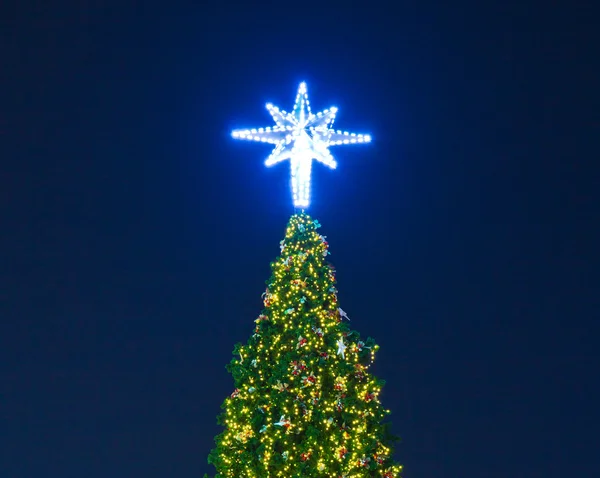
pixel 301 136
pixel 341 347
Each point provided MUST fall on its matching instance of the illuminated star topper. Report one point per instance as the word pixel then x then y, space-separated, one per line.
pixel 301 136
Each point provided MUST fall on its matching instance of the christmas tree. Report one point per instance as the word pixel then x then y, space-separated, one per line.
pixel 305 403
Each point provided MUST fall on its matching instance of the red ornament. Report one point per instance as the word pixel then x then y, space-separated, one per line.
pixel 266 295
pixel 301 342
pixel 304 456
pixel 297 367
pixel 298 282
pixel 359 374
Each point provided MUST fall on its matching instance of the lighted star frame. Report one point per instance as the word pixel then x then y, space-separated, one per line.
pixel 301 136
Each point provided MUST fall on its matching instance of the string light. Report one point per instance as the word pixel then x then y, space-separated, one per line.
pixel 299 408
pixel 301 136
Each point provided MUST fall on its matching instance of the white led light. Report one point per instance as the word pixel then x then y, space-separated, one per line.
pixel 301 136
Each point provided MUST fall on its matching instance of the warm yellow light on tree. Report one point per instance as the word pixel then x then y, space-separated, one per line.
pixel 299 406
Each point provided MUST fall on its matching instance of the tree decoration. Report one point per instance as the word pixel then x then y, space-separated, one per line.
pixel 283 422
pixel 343 314
pixel 341 347
pixel 305 403
pixel 301 136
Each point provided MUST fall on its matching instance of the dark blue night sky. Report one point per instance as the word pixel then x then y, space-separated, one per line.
pixel 136 235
